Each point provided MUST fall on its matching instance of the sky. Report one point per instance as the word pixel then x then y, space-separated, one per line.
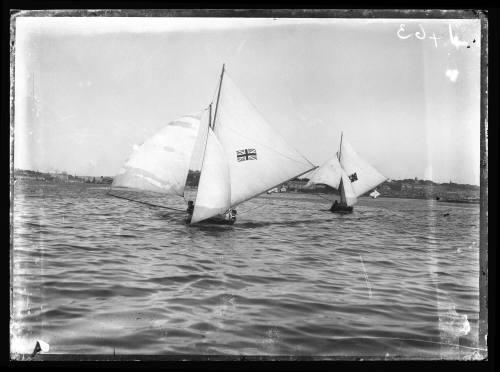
pixel 405 92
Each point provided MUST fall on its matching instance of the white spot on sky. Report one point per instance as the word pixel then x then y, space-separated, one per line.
pixel 452 75
pixel 82 84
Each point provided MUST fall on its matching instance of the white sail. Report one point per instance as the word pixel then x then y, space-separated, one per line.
pixel 374 194
pixel 214 188
pixel 259 159
pixel 362 175
pixel 200 143
pixel 328 174
pixel 347 193
pixel 161 163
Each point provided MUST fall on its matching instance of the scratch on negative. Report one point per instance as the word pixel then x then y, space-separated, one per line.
pixel 368 284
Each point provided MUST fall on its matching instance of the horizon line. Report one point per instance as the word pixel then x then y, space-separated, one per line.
pixel 387 180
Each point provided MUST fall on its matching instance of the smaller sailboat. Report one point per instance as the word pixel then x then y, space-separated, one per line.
pixel 375 194
pixel 350 174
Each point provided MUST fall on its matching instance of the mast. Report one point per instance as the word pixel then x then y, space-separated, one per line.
pixel 218 95
pixel 209 114
pixel 343 200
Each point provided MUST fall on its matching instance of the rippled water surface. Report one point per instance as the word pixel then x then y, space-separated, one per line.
pixel 100 275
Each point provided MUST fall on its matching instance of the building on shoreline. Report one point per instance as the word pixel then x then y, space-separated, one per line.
pixel 425 189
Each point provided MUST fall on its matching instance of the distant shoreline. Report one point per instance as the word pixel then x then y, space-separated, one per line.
pixel 461 201
pixel 401 189
pixel 58 182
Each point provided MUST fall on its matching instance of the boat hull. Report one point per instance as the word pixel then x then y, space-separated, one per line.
pixel 221 219
pixel 341 209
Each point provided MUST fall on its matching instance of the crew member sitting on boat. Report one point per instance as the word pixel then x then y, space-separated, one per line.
pixel 227 218
pixel 223 219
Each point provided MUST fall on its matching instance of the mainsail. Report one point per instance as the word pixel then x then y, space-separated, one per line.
pixel 161 163
pixel 362 175
pixel 258 158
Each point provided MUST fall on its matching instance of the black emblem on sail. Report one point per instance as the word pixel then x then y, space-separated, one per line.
pixel 247 154
pixel 353 177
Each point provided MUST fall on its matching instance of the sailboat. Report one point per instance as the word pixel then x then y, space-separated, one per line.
pixel 350 174
pixel 239 155
pixel 375 194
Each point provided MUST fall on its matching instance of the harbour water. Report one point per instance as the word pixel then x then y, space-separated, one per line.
pixel 93 274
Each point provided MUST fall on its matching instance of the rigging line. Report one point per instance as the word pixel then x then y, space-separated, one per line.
pixel 263 117
pixel 210 113
pixel 214 95
pixel 146 203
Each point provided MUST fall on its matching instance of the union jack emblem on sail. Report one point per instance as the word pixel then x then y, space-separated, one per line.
pixel 247 154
